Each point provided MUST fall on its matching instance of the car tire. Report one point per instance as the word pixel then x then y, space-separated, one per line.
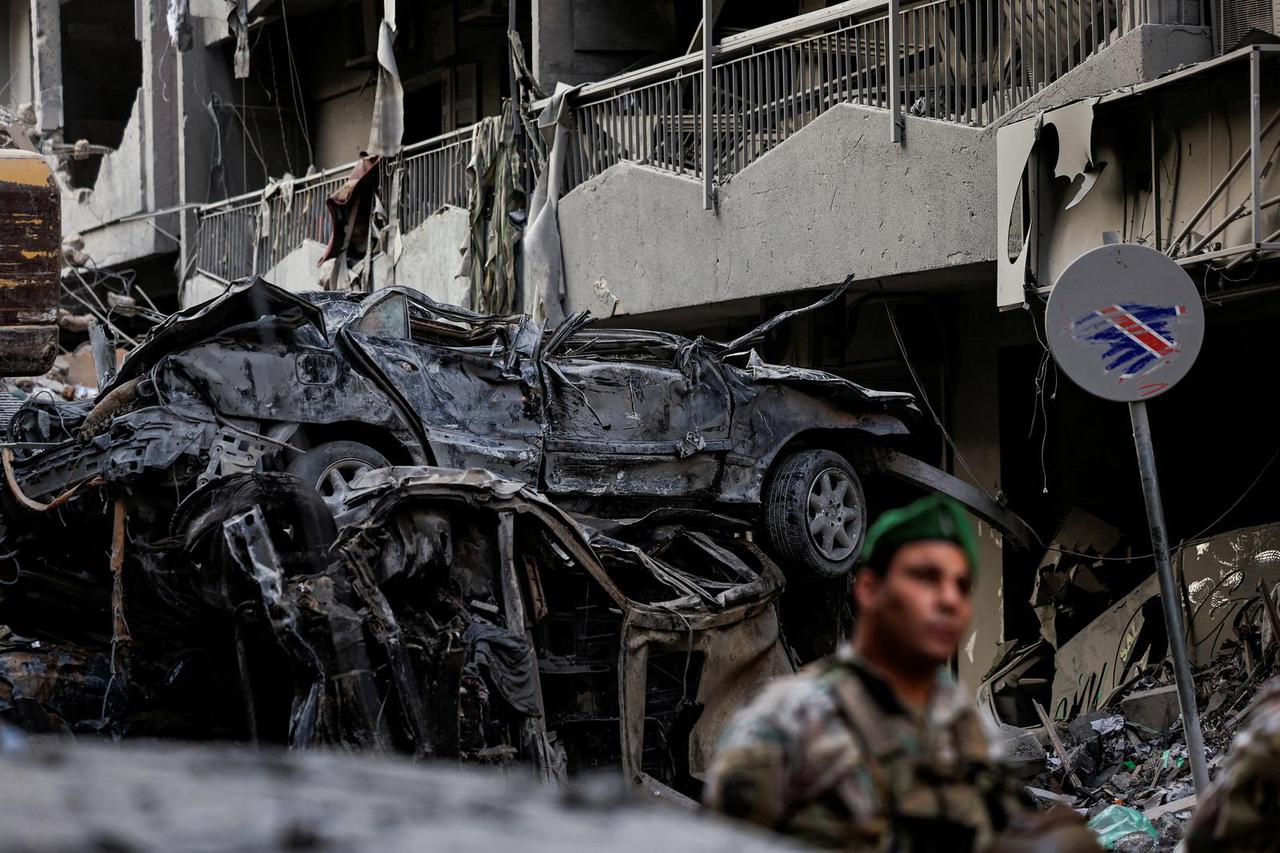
pixel 815 514
pixel 329 468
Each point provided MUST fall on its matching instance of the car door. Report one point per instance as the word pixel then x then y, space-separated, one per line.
pixel 633 414
pixel 460 379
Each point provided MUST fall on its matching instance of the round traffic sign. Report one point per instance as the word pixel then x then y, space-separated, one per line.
pixel 1124 322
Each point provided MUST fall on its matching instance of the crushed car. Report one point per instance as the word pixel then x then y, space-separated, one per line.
pixel 442 613
pixel 328 385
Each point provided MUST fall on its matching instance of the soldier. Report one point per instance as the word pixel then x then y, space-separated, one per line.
pixel 877 747
pixel 1242 809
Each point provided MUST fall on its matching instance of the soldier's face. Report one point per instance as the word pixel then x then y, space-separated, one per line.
pixel 923 603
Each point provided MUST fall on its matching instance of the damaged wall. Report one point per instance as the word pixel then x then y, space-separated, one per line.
pixel 141 173
pixel 837 194
pixel 1196 130
pixel 578 42
pixel 431 258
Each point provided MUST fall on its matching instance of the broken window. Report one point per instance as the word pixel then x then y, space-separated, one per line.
pixel 98 106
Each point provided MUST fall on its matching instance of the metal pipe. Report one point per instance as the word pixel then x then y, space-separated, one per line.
pixel 707 27
pixel 1155 180
pixel 1255 137
pixel 246 681
pixel 1227 220
pixel 1226 179
pixel 1169 597
pixel 895 72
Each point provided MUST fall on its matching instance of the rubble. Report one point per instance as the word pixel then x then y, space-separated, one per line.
pixel 155 798
pixel 1130 754
pixel 1153 710
pixel 1109 731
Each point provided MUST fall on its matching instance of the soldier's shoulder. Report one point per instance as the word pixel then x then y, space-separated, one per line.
pixel 789 704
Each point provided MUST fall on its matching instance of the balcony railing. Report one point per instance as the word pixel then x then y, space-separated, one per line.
pixel 963 61
pixel 251 233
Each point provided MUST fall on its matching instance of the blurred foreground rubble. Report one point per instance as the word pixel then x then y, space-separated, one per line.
pixel 62 796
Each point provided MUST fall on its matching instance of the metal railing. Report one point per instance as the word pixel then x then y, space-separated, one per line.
pixel 964 61
pixel 253 232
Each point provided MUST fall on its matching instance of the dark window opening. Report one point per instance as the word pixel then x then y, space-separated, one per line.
pixel 97 106
pixel 424 112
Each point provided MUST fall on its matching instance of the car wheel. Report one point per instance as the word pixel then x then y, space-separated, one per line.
pixel 330 467
pixel 815 513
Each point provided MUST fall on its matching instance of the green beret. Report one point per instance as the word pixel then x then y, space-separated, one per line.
pixel 933 517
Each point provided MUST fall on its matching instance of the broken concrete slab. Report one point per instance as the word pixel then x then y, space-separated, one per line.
pixel 199 288
pixel 1153 710
pixel 299 270
pixel 1090 665
pixel 1023 753
pixel 431 259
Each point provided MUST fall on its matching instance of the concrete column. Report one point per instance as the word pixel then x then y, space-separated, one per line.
pixel 159 112
pixel 46 55
pixel 975 420
pixel 199 73
pixel 19 55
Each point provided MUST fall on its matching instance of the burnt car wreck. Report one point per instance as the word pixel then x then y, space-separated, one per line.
pixel 447 614
pixel 376 521
pixel 328 386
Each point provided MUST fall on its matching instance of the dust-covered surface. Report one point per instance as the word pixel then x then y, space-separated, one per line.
pixel 66 796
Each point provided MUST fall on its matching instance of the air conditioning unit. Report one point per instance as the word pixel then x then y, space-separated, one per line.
pixel 1235 18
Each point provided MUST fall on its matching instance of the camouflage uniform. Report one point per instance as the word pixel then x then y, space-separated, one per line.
pixel 1242 809
pixel 831 756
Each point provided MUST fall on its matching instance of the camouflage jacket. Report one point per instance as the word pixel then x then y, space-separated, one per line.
pixel 831 756
pixel 1241 811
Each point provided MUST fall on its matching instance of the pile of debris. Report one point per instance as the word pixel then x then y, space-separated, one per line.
pixel 1090 707
pixel 1125 765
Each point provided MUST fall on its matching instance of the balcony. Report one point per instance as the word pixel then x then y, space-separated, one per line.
pixel 251 233
pixel 968 62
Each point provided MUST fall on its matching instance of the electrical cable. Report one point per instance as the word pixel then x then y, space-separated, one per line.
pixel 296 85
pixel 924 398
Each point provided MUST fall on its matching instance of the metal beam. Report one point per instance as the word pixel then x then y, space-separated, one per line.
pixel 912 470
pixel 708 170
pixel 1255 138
pixel 895 72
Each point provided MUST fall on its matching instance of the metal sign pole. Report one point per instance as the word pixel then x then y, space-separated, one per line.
pixel 1126 323
pixel 1169 596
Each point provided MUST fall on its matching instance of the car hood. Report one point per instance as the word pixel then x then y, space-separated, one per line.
pixel 243 301
pixel 821 383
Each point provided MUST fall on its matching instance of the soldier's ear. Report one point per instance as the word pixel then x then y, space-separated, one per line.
pixel 866 587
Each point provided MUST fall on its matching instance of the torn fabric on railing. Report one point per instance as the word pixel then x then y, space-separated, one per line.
pixel 238 21
pixel 178 17
pixel 351 210
pixel 386 131
pixel 494 203
pixel 543 287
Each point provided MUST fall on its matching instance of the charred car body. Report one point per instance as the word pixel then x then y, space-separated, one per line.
pixel 446 614
pixel 331 385
pixel 227 511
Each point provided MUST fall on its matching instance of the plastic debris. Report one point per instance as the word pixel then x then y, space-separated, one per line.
pixel 1115 823
pixel 1107 725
